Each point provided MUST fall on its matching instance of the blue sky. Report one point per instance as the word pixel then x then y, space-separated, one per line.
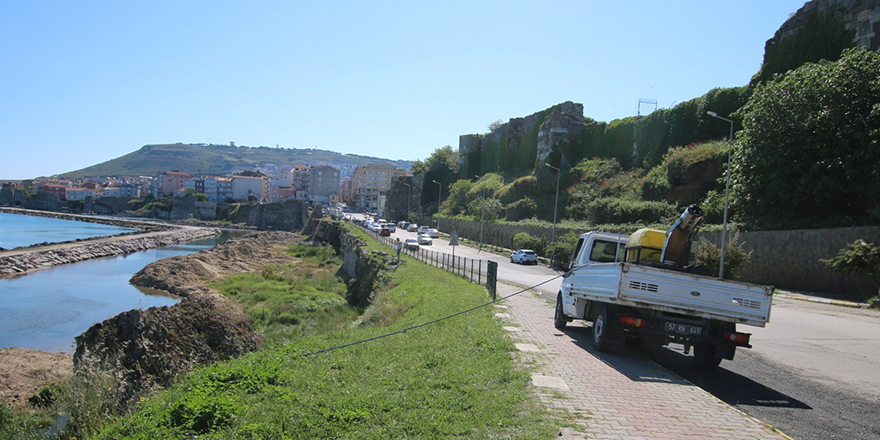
pixel 85 82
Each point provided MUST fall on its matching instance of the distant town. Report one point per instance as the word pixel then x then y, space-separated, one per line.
pixel 364 189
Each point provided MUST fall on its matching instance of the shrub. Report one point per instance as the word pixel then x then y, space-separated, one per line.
pixel 560 252
pixel 518 189
pixel 710 255
pixel 858 258
pixel 524 240
pixel 521 209
pixel 490 211
pixel 615 210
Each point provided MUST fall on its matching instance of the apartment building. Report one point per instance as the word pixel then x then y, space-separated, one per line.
pixel 369 181
pixel 323 181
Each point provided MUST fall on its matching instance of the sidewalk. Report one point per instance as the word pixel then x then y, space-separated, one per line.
pixel 618 395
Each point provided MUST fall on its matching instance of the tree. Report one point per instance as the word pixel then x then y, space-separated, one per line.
pixel 457 201
pixel 444 156
pixel 809 145
pixel 494 125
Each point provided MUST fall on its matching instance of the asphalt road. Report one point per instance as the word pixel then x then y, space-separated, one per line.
pixel 814 371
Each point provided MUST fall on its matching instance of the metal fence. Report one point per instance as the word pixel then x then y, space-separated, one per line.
pixel 475 270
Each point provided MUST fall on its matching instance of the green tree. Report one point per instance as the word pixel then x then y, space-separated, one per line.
pixel 457 201
pixel 809 145
pixel 444 156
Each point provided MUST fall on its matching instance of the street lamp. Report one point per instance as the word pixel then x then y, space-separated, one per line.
pixel 406 217
pixel 439 199
pixel 556 206
pixel 726 194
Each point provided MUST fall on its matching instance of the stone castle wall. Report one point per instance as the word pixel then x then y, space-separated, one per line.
pixel 863 16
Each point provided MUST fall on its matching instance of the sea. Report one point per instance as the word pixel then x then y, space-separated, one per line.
pixel 47 309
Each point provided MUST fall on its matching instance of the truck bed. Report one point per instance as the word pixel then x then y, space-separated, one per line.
pixel 672 291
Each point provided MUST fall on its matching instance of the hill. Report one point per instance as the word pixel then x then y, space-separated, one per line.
pixel 217 159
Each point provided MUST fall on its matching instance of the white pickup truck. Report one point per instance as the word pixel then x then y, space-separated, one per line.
pixel 627 295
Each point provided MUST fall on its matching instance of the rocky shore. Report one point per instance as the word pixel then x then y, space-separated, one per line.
pixel 152 235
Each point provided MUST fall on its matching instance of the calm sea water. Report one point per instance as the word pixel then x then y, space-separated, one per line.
pixel 24 230
pixel 46 309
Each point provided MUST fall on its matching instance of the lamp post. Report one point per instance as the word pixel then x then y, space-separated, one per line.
pixel 482 214
pixel 439 199
pixel 555 206
pixel 409 199
pixel 726 194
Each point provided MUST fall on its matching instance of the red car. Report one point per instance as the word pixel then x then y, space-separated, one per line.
pixel 385 231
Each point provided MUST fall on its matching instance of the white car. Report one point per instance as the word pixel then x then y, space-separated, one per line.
pixel 434 233
pixel 425 239
pixel 423 229
pixel 524 256
pixel 392 227
pixel 412 227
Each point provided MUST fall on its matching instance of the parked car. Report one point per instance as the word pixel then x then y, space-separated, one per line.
pixel 425 239
pixel 524 256
pixel 411 244
pixel 434 233
pixel 385 231
pixel 412 227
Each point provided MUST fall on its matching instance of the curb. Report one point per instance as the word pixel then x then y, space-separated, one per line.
pixel 834 302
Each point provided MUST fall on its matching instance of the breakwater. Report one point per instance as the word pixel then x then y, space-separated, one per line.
pixel 151 235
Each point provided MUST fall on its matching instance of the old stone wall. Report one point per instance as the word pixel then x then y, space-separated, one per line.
pixel 863 16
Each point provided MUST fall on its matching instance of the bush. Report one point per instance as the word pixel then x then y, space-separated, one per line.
pixel 524 240
pixel 490 211
pixel 560 252
pixel 615 210
pixel 710 255
pixel 858 258
pixel 521 209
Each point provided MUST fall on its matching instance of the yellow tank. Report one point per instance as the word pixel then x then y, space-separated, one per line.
pixel 645 246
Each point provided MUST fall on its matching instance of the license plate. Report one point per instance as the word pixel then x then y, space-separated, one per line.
pixel 684 329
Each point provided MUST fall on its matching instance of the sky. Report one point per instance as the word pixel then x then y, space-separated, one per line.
pixel 86 82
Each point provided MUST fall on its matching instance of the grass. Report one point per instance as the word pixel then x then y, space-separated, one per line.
pixel 455 378
pixel 297 299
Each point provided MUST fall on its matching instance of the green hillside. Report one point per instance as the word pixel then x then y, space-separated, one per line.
pixel 212 159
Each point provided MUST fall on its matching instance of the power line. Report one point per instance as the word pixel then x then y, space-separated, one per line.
pixel 425 324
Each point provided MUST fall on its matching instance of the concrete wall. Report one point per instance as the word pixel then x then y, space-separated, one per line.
pixel 790 259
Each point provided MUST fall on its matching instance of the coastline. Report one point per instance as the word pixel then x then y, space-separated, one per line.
pixel 19 261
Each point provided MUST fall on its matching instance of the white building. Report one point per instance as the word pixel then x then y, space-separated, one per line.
pixel 249 188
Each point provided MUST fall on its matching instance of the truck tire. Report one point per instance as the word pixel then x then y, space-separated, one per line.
pixel 601 330
pixel 559 318
pixel 705 356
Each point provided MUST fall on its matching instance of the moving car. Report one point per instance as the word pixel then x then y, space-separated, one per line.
pixel 425 239
pixel 423 229
pixel 524 256
pixel 433 233
pixel 411 244
pixel 385 231
pixel 391 227
pixel 412 227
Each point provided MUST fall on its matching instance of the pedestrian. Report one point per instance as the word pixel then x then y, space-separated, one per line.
pixel 399 246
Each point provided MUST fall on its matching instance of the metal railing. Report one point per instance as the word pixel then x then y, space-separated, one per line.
pixel 472 269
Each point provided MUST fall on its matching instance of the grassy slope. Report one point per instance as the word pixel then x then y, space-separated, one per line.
pixel 215 159
pixel 451 379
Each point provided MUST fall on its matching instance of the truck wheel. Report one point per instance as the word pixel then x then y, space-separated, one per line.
pixel 559 318
pixel 601 342
pixel 705 357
